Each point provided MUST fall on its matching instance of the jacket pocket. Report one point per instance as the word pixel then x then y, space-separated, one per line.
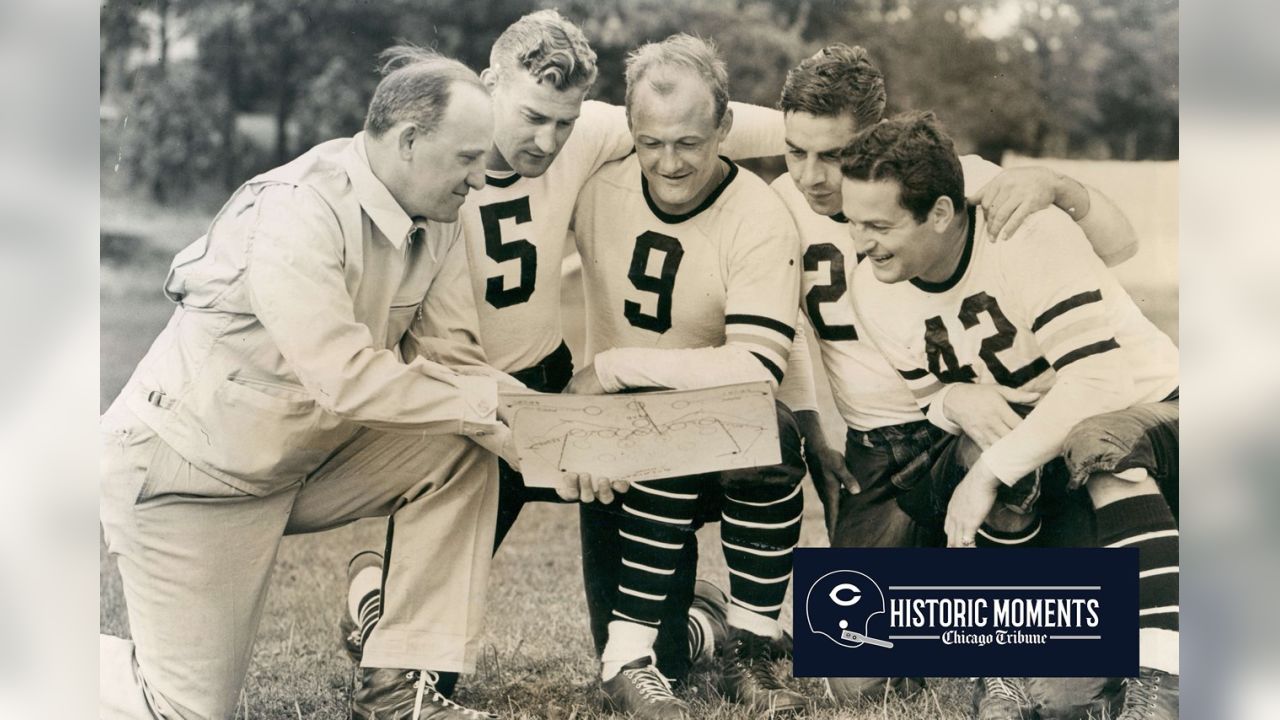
pixel 267 395
pixel 398 321
pixel 266 434
pixel 170 477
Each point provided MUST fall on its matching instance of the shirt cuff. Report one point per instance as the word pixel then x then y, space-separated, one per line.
pixel 479 404
pixel 1001 466
pixel 936 416
pixel 605 371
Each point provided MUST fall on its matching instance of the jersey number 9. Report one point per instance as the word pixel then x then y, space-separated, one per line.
pixel 663 285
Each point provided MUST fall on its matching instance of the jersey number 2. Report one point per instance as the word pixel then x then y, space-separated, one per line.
pixel 491 217
pixel 663 285
pixel 833 290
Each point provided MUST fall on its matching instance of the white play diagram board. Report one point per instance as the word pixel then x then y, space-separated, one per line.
pixel 644 436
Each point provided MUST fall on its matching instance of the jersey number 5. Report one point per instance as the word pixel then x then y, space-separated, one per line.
pixel 491 217
pixel 833 290
pixel 664 284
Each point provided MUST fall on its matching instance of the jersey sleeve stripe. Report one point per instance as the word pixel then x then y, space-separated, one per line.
pixel 1091 328
pixel 1067 305
pixel 914 374
pixel 1086 351
pixel 775 347
pixel 762 321
pixel 927 390
pixel 769 365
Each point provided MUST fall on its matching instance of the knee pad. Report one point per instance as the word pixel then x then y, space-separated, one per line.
pixel 1108 443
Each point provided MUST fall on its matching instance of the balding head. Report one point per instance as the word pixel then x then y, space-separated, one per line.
pixel 416 87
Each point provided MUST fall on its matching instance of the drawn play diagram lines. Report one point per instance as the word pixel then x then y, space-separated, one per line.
pixel 646 436
pixel 576 443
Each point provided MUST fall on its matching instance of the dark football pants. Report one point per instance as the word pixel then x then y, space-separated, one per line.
pixel 600 547
pixel 885 461
pixel 1144 436
pixel 602 563
pixel 550 375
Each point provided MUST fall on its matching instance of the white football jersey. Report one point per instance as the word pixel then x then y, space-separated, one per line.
pixel 867 392
pixel 1039 312
pixel 724 274
pixel 516 227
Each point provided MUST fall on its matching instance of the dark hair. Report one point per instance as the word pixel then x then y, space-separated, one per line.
pixel 415 87
pixel 912 149
pixel 835 80
pixel 548 47
pixel 680 51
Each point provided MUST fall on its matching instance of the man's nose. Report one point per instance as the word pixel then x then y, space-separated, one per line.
pixel 545 138
pixel 809 173
pixel 862 240
pixel 668 161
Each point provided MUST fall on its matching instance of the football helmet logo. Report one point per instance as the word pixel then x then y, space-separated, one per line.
pixel 841 604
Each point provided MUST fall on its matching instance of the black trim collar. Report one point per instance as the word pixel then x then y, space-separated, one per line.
pixel 502 182
pixel 670 219
pixel 961 268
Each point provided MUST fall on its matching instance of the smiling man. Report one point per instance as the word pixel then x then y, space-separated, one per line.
pixel 889 444
pixel 312 374
pixel 547 142
pixel 691 275
pixel 1038 314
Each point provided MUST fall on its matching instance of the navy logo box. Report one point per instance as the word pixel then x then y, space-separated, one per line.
pixel 891 612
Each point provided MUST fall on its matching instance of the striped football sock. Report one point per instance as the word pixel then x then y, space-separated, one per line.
pixel 989 537
pixel 1146 523
pixel 364 592
pixel 759 530
pixel 657 521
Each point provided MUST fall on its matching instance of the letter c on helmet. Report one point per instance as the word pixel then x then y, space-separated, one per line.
pixel 854 594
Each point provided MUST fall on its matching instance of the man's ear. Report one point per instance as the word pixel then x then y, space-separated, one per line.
pixel 405 138
pixel 726 124
pixel 489 77
pixel 941 214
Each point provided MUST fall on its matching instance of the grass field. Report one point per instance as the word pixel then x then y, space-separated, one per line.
pixel 537 659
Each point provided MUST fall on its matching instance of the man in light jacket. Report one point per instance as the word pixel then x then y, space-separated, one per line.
pixel 322 366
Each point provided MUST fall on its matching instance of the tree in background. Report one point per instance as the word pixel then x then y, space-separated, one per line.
pixel 1073 78
pixel 1138 102
pixel 172 145
pixel 121 31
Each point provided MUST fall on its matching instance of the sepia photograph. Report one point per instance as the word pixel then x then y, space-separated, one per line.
pixel 493 359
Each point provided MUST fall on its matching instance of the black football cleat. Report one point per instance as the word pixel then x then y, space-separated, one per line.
pixel 387 694
pixel 641 691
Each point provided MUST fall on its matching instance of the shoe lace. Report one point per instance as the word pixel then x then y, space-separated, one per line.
pixel 1004 688
pixel 1140 694
pixel 652 685
pixel 425 682
pixel 750 656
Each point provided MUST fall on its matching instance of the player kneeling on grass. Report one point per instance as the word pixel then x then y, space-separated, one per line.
pixel 547 142
pixel 826 99
pixel 691 275
pixel 322 366
pixel 1040 314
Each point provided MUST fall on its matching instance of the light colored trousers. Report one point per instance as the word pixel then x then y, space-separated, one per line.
pixel 196 555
